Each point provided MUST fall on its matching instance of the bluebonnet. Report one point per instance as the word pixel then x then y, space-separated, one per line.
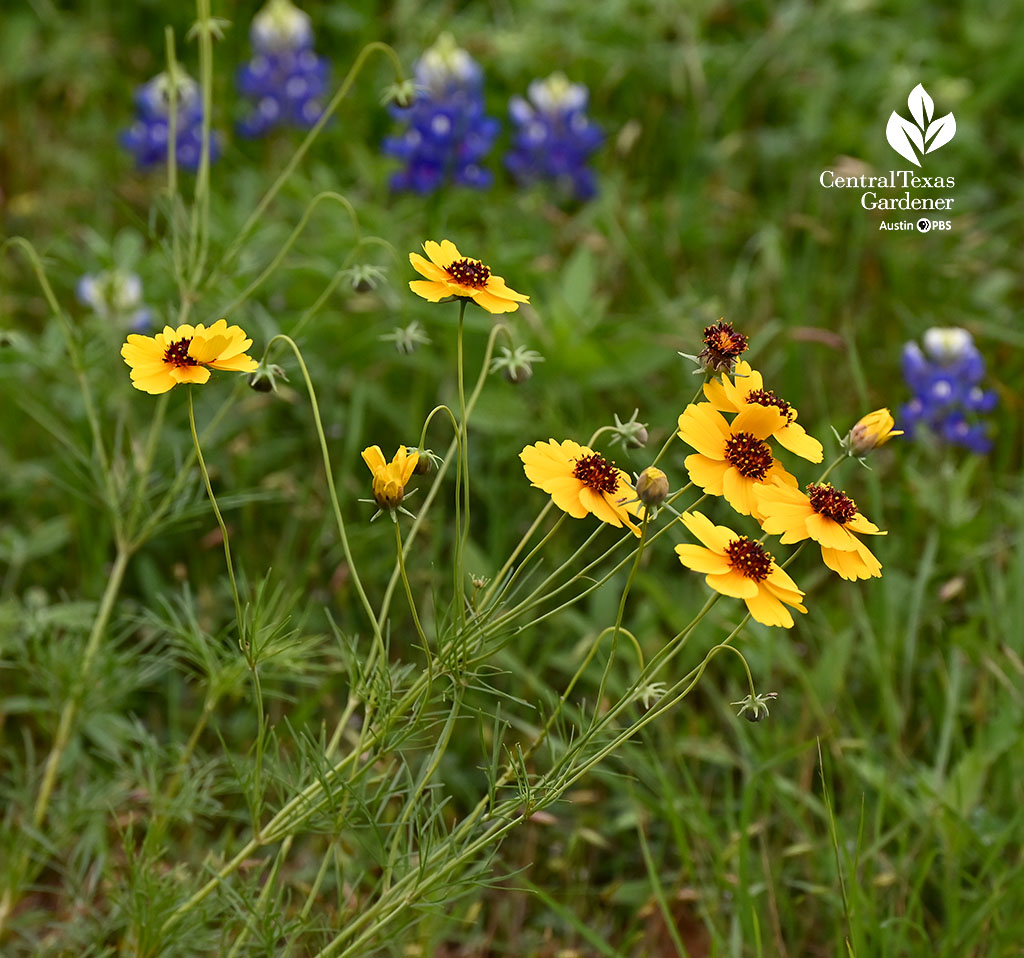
pixel 147 137
pixel 554 137
pixel 948 397
pixel 285 80
pixel 447 133
pixel 115 295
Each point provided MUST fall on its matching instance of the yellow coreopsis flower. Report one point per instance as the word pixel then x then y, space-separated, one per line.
pixel 186 355
pixel 827 516
pixel 580 482
pixel 874 429
pixel 389 478
pixel 737 566
pixel 746 388
pixel 732 458
pixel 449 273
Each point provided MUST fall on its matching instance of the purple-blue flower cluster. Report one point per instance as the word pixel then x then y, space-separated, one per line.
pixel 948 397
pixel 554 138
pixel 147 137
pixel 115 295
pixel 447 132
pixel 285 81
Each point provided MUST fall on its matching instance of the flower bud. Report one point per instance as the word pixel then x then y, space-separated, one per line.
pixel 632 433
pixel 265 378
pixel 652 486
pixel 516 365
pixel 874 429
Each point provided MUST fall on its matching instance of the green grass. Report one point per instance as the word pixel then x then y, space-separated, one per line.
pixel 878 811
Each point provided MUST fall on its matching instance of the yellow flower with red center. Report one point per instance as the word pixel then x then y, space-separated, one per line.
pixel 580 482
pixel 737 566
pixel 449 273
pixel 186 355
pixel 874 429
pixel 746 388
pixel 389 478
pixel 827 516
pixel 733 458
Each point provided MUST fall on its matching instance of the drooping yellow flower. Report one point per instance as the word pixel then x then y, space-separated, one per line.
pixel 827 516
pixel 186 355
pixel 449 273
pixel 389 478
pixel 739 567
pixel 874 429
pixel 746 388
pixel 580 481
pixel 732 458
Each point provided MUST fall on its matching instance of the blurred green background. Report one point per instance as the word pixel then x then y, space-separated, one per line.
pixel 881 805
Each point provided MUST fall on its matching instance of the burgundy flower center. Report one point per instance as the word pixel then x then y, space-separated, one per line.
pixel 751 456
pixel 749 558
pixel 595 472
pixel 831 503
pixel 469 272
pixel 723 340
pixel 177 354
pixel 766 397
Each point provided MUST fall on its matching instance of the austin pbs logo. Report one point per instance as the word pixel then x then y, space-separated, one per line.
pixel 924 135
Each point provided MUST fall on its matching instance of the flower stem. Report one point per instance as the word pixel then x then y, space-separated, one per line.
pixel 462 477
pixel 223 528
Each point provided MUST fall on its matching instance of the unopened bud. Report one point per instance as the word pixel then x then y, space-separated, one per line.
pixel 652 486
pixel 516 365
pixel 632 433
pixel 265 378
pixel 874 429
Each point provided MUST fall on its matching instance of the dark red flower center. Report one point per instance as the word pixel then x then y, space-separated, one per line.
pixel 722 345
pixel 766 397
pixel 469 272
pixel 749 558
pixel 751 456
pixel 595 472
pixel 177 354
pixel 831 503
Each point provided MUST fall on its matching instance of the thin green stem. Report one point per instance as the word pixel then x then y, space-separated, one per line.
pixel 461 478
pixel 239 619
pixel 290 167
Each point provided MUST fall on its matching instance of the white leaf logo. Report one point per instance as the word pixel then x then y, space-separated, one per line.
pixel 923 135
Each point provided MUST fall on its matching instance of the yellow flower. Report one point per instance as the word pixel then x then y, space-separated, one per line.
pixel 874 429
pixel 739 567
pixel 747 389
pixel 449 273
pixel 182 355
pixel 580 481
pixel 827 516
pixel 732 458
pixel 389 478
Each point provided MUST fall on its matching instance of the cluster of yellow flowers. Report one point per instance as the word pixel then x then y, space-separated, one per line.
pixel 734 459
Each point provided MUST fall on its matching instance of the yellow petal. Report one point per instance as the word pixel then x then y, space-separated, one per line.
pixel 830 533
pixel 704 428
pixel 760 421
pixel 498 286
pixel 702 560
pixel 732 583
pixel 794 438
pixel 768 610
pixel 716 538
pixel 738 491
pixel 492 303
pixel 426 268
pixel 707 473
pixel 374 458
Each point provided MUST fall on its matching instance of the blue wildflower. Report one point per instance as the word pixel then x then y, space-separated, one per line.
pixel 115 295
pixel 554 138
pixel 147 137
pixel 447 132
pixel 948 399
pixel 285 80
